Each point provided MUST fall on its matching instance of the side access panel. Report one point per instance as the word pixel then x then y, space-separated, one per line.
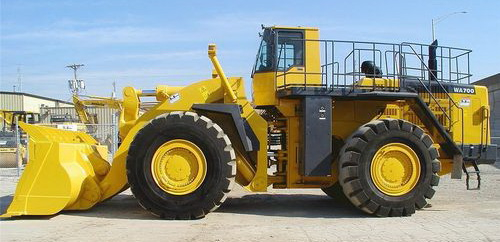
pixel 316 148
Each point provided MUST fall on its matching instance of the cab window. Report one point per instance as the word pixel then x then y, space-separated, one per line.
pixel 265 55
pixel 290 50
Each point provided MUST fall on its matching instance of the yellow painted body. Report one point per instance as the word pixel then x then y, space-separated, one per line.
pixel 474 115
pixel 72 162
pixel 208 91
pixel 470 123
pixel 348 116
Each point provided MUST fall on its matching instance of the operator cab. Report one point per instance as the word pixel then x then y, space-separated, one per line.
pixel 283 58
pixel 290 50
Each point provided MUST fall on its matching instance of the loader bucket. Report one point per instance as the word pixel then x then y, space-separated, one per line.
pixel 63 172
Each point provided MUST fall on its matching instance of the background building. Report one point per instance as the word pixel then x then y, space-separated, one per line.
pixel 493 84
pixel 19 101
pixel 51 110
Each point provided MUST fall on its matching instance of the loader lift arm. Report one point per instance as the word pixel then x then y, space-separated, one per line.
pixel 81 105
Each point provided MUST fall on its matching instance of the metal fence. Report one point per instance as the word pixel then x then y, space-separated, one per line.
pixel 105 134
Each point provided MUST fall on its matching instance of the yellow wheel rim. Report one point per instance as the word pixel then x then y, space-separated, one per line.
pixel 179 167
pixel 395 169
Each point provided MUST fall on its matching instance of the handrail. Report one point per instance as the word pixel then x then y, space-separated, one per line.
pixel 451 101
pixel 399 67
pixel 434 98
pixel 430 72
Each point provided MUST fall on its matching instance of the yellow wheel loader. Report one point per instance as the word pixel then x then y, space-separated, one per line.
pixel 372 123
pixel 13 148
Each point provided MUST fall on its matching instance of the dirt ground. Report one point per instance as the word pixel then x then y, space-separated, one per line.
pixel 280 215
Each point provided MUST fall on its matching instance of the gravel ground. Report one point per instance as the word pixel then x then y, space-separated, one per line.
pixel 280 215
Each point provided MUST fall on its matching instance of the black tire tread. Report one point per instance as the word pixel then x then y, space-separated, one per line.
pixel 207 205
pixel 350 159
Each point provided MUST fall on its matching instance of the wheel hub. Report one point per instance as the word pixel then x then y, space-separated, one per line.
pixel 178 167
pixel 395 169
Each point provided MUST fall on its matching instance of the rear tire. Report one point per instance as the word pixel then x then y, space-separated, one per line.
pixel 335 192
pixel 355 164
pixel 217 151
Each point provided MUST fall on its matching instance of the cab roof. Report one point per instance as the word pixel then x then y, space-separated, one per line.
pixel 291 27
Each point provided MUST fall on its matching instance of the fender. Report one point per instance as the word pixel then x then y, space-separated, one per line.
pixel 245 132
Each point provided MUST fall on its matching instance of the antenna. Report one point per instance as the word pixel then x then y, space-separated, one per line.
pixel 76 85
pixel 19 81
pixel 113 94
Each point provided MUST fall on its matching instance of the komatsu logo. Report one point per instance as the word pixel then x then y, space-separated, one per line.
pixel 464 90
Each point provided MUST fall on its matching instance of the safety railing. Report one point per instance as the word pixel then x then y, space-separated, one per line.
pixel 341 63
pixel 433 79
pixel 342 67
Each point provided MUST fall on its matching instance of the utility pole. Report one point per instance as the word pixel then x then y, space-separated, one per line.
pixel 76 85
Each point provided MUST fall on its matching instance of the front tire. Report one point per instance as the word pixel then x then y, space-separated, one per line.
pixel 181 166
pixel 388 168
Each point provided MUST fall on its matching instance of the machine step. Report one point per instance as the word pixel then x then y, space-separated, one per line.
pixel 468 173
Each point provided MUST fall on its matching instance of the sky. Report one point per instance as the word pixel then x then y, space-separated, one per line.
pixel 146 43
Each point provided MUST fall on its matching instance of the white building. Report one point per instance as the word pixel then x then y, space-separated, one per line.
pixel 19 101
